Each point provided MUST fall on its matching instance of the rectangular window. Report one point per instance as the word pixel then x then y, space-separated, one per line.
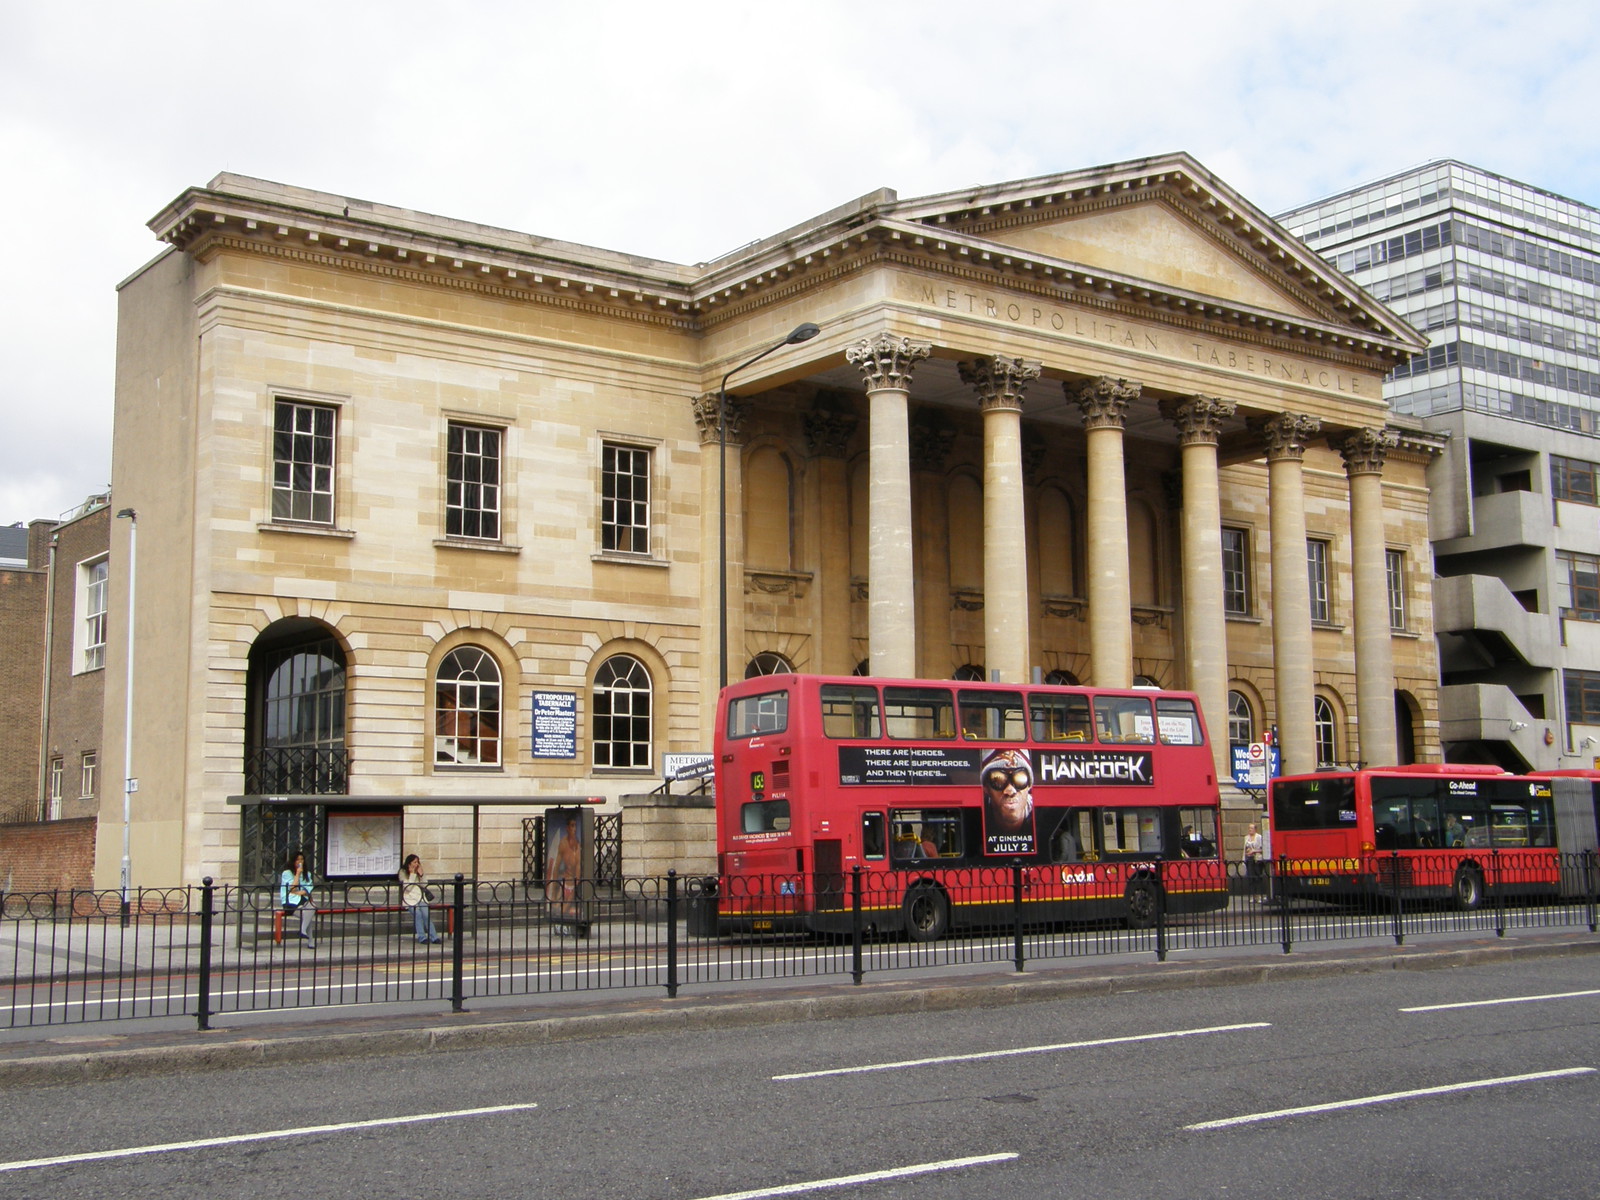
pixel 472 482
pixel 1578 584
pixel 92 604
pixel 849 711
pixel 1317 566
pixel 58 770
pixel 625 500
pixel 1583 697
pixel 1235 572
pixel 91 767
pixel 1395 562
pixel 1572 479
pixel 752 715
pixel 302 462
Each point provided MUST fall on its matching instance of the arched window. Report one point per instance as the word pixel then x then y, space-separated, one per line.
pixel 1145 681
pixel 294 741
pixel 767 663
pixel 466 709
pixel 969 673
pixel 1061 679
pixel 864 667
pixel 1241 721
pixel 1323 722
pixel 622 713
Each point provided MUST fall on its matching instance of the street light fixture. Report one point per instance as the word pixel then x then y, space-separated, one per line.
pixel 800 333
pixel 129 783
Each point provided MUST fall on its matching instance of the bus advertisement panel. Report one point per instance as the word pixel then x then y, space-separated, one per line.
pixel 935 790
pixel 1428 831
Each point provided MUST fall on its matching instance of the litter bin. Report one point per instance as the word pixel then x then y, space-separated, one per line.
pixel 701 920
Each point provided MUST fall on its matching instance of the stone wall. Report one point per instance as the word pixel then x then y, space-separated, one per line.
pixel 662 832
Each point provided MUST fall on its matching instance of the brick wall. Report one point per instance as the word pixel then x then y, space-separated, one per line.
pixel 22 604
pixel 47 856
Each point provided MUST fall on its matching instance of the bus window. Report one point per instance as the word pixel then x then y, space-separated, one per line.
pixel 1178 721
pixel 766 713
pixel 1197 832
pixel 1314 803
pixel 1508 825
pixel 1060 718
pixel 1466 821
pixel 992 716
pixel 923 714
pixel 1124 719
pixel 1130 830
pixel 849 711
pixel 872 835
pixel 764 816
pixel 921 834
pixel 1074 838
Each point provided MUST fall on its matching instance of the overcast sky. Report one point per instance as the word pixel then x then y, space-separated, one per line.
pixel 681 131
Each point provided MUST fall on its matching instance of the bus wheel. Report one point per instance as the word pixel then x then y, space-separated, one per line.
pixel 927 914
pixel 1469 889
pixel 1143 902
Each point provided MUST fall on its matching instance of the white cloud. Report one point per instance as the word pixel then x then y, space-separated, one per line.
pixel 683 131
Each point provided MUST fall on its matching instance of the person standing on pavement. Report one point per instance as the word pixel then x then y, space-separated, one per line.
pixel 415 896
pixel 1254 847
pixel 295 886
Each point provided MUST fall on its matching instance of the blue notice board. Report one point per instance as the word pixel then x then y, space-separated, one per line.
pixel 555 724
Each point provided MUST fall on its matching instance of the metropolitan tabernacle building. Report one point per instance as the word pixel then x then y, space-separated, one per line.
pixel 432 510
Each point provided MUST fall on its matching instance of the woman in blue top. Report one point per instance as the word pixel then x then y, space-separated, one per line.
pixel 294 894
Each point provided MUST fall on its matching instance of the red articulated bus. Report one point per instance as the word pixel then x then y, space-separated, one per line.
pixel 1433 831
pixel 937 789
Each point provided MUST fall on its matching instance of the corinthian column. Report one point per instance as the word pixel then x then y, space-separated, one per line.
pixel 1364 452
pixel 1000 384
pixel 1199 421
pixel 1104 402
pixel 1293 669
pixel 885 363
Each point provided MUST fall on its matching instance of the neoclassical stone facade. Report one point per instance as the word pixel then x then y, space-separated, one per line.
pixel 412 491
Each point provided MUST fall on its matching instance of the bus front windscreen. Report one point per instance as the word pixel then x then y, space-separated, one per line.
pixel 1314 803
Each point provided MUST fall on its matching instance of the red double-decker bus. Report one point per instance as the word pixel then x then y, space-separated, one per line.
pixel 1433 831
pixel 930 787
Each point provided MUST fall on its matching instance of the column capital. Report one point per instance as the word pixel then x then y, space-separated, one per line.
pixel 999 382
pixel 1286 434
pixel 885 361
pixel 706 414
pixel 828 431
pixel 931 440
pixel 1365 449
pixel 1198 418
pixel 1104 401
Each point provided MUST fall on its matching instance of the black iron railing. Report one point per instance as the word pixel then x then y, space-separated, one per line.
pixel 212 950
pixel 297 771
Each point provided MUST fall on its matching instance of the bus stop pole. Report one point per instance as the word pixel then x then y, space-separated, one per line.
pixel 672 933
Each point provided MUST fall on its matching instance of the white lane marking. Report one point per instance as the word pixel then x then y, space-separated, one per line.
pixel 1389 1096
pixel 268 1135
pixel 1012 1053
pixel 1506 1000
pixel 817 1185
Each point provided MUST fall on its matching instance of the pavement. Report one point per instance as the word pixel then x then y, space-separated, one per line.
pixel 54 1055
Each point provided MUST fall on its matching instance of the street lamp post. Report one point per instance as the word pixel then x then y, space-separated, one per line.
pixel 129 783
pixel 800 333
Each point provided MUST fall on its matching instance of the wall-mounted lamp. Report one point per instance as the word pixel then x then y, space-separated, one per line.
pixel 1587 742
pixel 1516 725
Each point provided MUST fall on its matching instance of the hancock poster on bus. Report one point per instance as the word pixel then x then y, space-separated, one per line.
pixel 1008 826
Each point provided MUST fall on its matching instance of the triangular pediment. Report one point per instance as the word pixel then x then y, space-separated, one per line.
pixel 1150 241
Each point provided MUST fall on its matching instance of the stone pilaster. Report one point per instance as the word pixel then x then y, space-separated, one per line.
pixel 721 503
pixel 1199 422
pixel 886 364
pixel 1001 384
pixel 1104 403
pixel 931 440
pixel 828 432
pixel 1364 452
pixel 1285 437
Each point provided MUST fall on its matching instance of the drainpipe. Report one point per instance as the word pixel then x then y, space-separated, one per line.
pixel 44 689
